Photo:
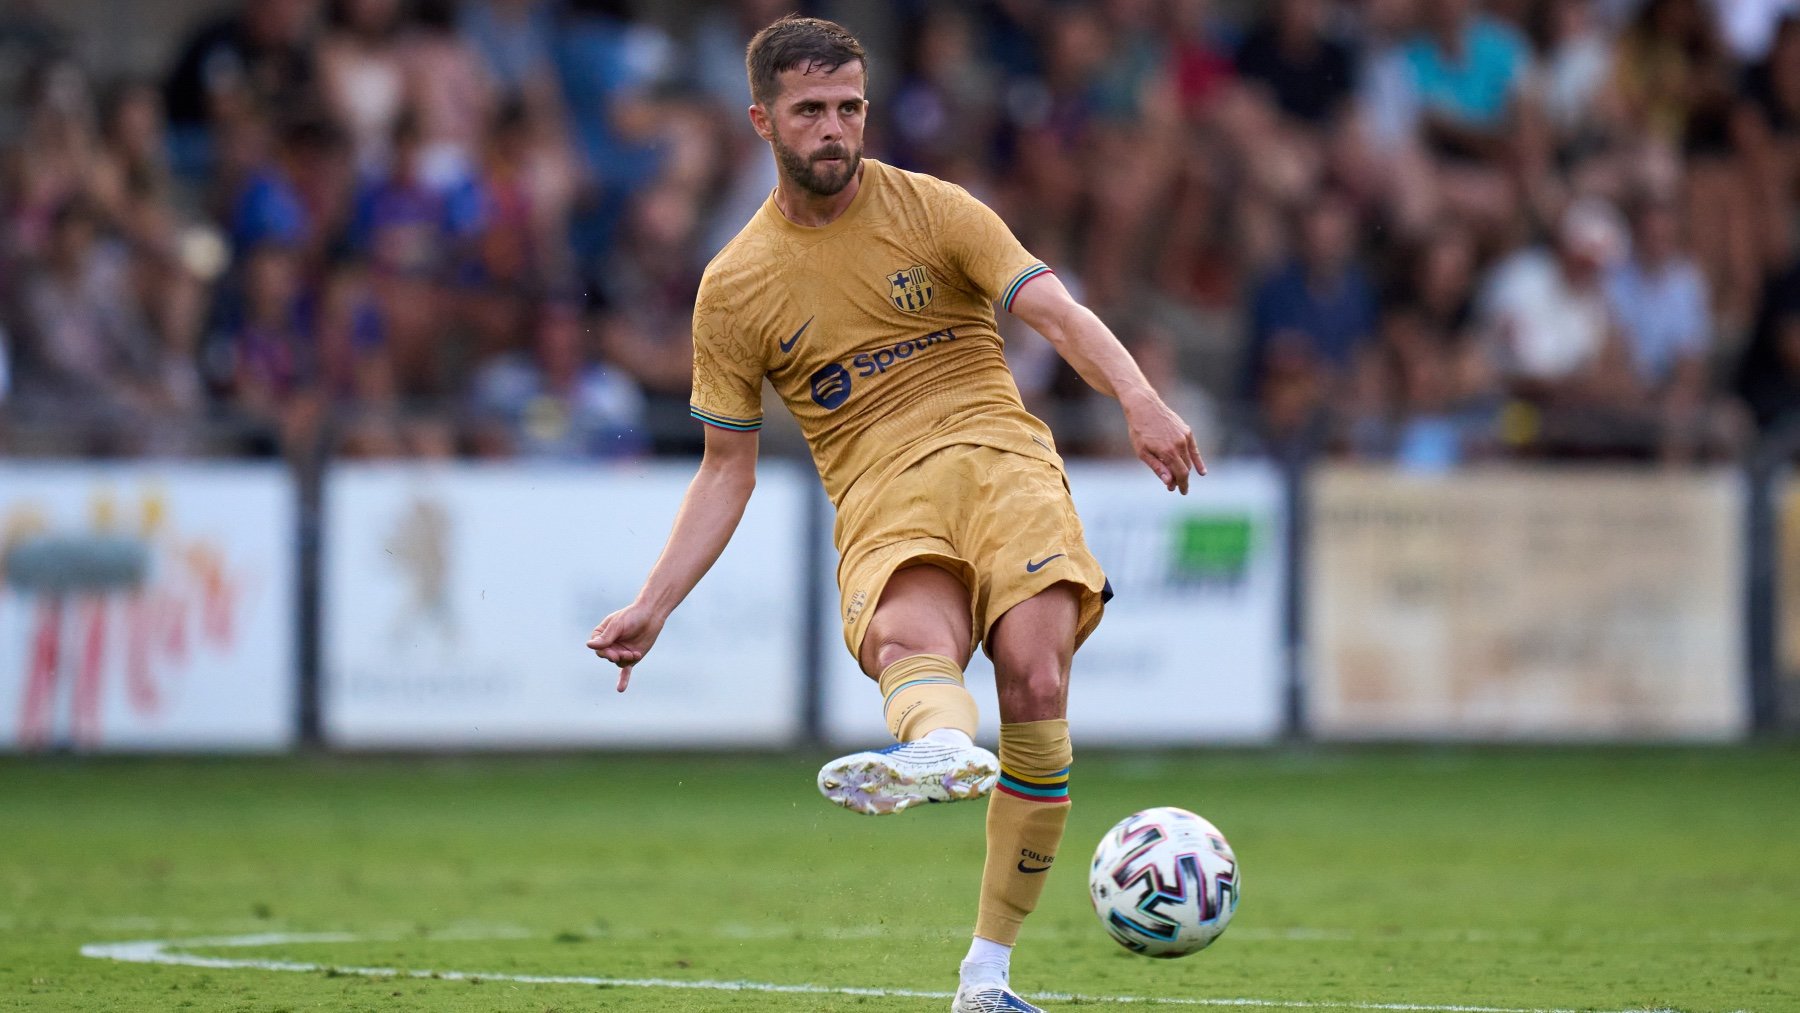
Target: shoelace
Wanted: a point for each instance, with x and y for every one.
(923, 750)
(994, 1000)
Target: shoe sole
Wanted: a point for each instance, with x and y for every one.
(874, 787)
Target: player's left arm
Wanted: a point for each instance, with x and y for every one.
(1159, 436)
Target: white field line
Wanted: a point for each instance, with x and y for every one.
(168, 951)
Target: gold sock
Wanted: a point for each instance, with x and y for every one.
(1025, 819)
(923, 693)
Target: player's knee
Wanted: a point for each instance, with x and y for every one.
(1037, 691)
(882, 649)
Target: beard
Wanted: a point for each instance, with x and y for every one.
(814, 177)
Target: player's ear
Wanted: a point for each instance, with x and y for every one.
(759, 120)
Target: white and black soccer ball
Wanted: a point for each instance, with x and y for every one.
(1164, 882)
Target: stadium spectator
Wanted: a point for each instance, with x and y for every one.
(302, 197)
(1546, 317)
(556, 403)
(273, 361)
(1469, 70)
(130, 181)
(1659, 297)
(1769, 376)
(611, 71)
(1200, 56)
(648, 298)
(1310, 321)
(362, 75)
(946, 94)
(1574, 72)
(521, 251)
(55, 156)
(1307, 74)
(1750, 26)
(717, 50)
(89, 356)
(1773, 85)
(1438, 382)
(1772, 125)
(259, 58)
(450, 91)
(1132, 155)
(401, 222)
(5, 376)
(517, 39)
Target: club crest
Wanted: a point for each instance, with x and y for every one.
(910, 289)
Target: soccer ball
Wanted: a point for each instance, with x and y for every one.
(1164, 882)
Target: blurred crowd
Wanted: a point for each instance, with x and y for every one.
(1423, 231)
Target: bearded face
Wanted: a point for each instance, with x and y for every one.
(814, 125)
(822, 172)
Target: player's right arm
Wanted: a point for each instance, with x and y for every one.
(709, 513)
(727, 398)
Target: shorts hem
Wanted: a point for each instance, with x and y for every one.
(1093, 609)
(963, 570)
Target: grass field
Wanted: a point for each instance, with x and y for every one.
(1529, 880)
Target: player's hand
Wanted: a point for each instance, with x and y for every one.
(624, 637)
(1163, 441)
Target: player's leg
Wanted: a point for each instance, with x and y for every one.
(1032, 646)
(915, 645)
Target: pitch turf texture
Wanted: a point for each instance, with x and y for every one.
(1525, 880)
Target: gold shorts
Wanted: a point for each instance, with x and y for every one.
(1002, 522)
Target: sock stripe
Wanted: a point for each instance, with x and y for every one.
(1055, 788)
(1042, 780)
(926, 681)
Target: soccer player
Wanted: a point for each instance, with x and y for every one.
(865, 295)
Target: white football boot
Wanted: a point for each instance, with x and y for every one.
(991, 997)
(882, 781)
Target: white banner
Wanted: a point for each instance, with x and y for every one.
(146, 607)
(1190, 649)
(1516, 604)
(457, 599)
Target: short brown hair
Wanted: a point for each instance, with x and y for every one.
(795, 41)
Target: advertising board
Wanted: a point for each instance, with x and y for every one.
(457, 598)
(146, 607)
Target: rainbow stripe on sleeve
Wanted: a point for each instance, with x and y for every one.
(1019, 280)
(725, 421)
(1048, 788)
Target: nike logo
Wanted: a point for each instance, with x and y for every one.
(1029, 871)
(1031, 567)
(788, 345)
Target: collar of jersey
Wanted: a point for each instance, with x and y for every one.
(871, 169)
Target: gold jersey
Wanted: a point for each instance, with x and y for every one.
(876, 330)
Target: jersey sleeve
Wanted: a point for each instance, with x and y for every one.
(728, 368)
(975, 241)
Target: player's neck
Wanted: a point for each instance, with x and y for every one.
(811, 210)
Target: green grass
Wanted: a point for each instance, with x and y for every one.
(1604, 879)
